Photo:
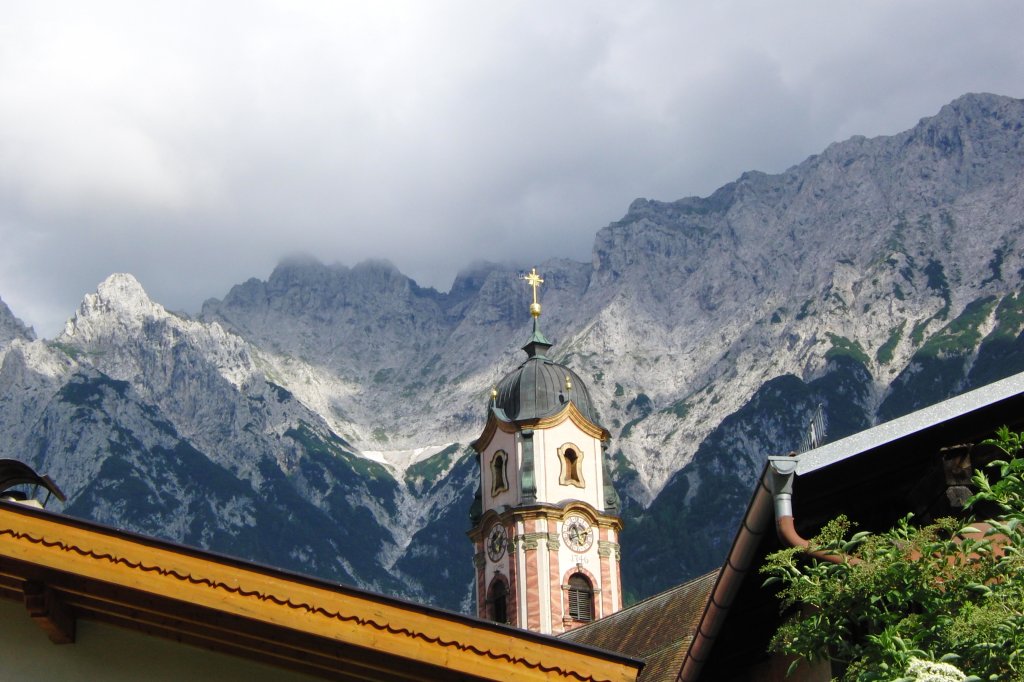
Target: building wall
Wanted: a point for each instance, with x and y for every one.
(513, 449)
(105, 652)
(549, 468)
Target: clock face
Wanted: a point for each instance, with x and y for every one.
(577, 533)
(497, 540)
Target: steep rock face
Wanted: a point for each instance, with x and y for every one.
(879, 276)
(11, 327)
(192, 372)
(704, 502)
(866, 252)
(30, 375)
(364, 344)
(169, 426)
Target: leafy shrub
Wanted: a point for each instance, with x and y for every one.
(944, 592)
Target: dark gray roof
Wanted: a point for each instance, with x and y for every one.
(537, 389)
(540, 387)
(902, 427)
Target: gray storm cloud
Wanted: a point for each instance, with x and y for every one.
(196, 144)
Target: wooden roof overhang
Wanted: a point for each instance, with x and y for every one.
(65, 569)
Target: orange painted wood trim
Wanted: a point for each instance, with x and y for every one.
(279, 601)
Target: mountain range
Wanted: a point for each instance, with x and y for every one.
(319, 420)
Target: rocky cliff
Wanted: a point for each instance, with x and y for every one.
(312, 420)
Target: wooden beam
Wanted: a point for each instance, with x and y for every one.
(49, 612)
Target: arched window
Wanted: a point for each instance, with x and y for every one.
(497, 601)
(499, 477)
(572, 462)
(581, 598)
(571, 458)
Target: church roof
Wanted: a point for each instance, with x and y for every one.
(541, 387)
(657, 630)
(538, 389)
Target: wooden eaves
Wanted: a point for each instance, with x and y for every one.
(65, 569)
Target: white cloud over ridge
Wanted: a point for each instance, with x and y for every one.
(195, 144)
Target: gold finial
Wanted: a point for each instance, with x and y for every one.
(494, 394)
(568, 383)
(534, 280)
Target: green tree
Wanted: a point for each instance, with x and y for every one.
(915, 603)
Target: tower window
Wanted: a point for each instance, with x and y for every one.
(499, 475)
(571, 458)
(581, 598)
(497, 601)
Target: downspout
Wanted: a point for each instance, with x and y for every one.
(782, 472)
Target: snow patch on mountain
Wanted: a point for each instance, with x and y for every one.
(399, 461)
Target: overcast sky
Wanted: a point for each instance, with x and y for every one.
(195, 144)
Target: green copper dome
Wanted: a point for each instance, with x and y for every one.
(541, 387)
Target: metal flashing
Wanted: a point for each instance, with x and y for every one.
(898, 428)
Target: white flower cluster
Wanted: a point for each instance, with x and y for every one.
(932, 671)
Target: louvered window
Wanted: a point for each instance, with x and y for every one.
(581, 598)
(499, 602)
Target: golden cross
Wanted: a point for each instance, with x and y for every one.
(534, 280)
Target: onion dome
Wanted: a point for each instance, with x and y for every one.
(540, 387)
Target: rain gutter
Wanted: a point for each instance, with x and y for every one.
(773, 497)
(737, 565)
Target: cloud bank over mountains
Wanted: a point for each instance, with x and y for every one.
(197, 145)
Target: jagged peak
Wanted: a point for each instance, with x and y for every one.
(982, 116)
(23, 357)
(304, 262)
(122, 286)
(377, 265)
(305, 269)
(300, 260)
(120, 296)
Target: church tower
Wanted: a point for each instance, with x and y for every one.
(545, 519)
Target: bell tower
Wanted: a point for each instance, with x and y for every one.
(545, 519)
